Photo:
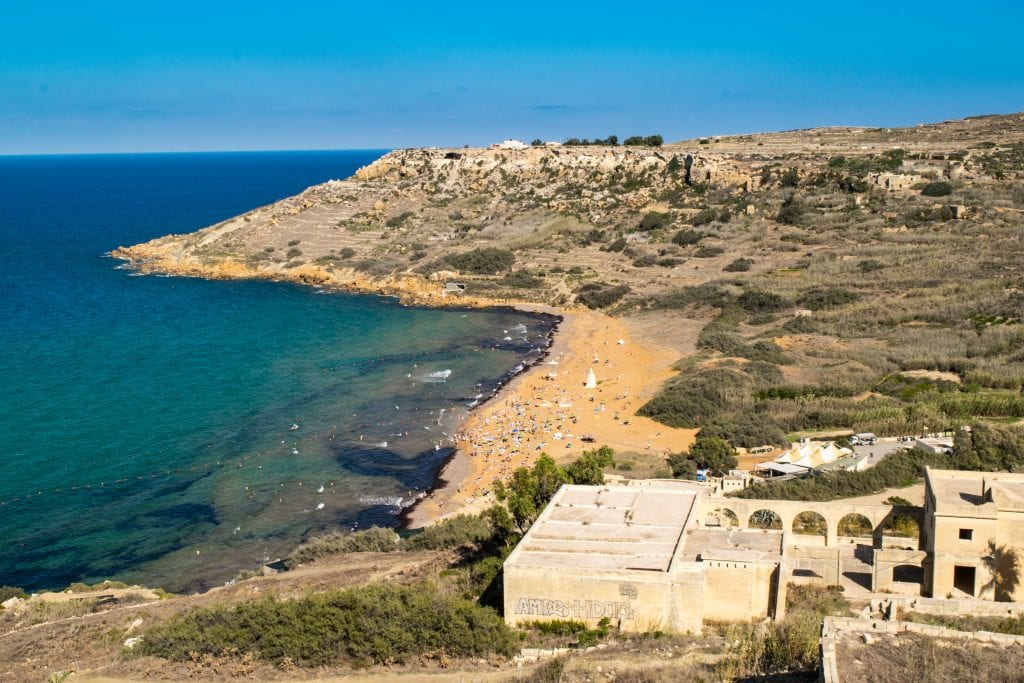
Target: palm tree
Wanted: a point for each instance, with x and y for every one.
(1003, 565)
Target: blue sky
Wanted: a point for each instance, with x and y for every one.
(148, 76)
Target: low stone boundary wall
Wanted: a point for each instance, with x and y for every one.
(834, 626)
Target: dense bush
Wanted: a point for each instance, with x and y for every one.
(707, 452)
(890, 161)
(8, 592)
(644, 141)
(939, 188)
(759, 301)
(482, 261)
(792, 211)
(746, 430)
(654, 220)
(686, 237)
(372, 540)
(400, 219)
(740, 265)
(451, 532)
(989, 448)
(827, 297)
(522, 279)
(708, 252)
(706, 294)
(375, 624)
(699, 397)
(704, 217)
(616, 245)
(600, 295)
(589, 467)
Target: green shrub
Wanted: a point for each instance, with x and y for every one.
(707, 452)
(697, 398)
(708, 252)
(704, 217)
(294, 252)
(939, 188)
(869, 266)
(827, 297)
(599, 295)
(346, 252)
(522, 279)
(706, 294)
(482, 261)
(8, 592)
(589, 467)
(759, 301)
(617, 245)
(792, 211)
(740, 265)
(372, 540)
(451, 532)
(686, 237)
(654, 220)
(400, 219)
(375, 624)
(746, 430)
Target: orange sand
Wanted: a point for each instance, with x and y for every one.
(547, 409)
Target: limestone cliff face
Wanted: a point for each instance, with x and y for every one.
(494, 168)
(575, 216)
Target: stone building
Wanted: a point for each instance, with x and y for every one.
(661, 554)
(635, 553)
(970, 517)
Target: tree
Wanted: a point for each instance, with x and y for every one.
(537, 142)
(792, 211)
(711, 452)
(530, 490)
(682, 466)
(589, 468)
(653, 141)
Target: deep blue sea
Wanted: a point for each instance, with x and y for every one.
(145, 421)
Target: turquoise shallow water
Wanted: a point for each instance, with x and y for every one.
(145, 421)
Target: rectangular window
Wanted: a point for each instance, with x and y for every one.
(966, 534)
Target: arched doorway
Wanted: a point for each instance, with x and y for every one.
(765, 519)
(855, 525)
(722, 517)
(810, 523)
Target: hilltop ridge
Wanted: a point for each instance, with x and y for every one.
(826, 260)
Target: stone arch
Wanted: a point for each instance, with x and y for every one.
(721, 517)
(765, 519)
(901, 524)
(855, 525)
(810, 523)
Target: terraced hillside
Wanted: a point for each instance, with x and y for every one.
(849, 277)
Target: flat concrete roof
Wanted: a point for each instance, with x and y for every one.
(732, 545)
(633, 526)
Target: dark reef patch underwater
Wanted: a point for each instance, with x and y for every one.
(145, 427)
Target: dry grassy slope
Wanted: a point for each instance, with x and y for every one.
(925, 282)
(90, 644)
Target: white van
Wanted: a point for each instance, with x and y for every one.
(864, 439)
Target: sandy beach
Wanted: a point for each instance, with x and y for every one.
(549, 409)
